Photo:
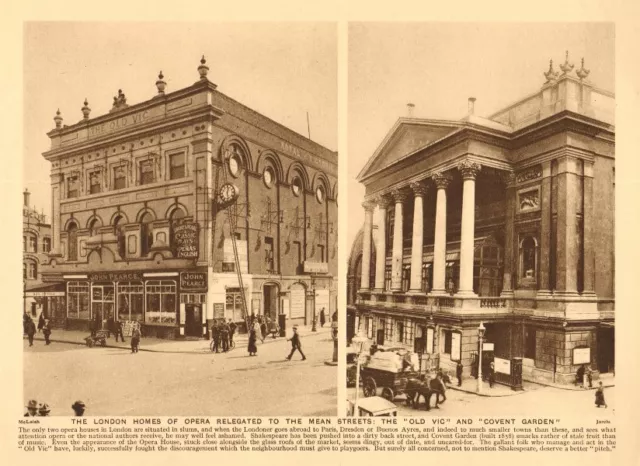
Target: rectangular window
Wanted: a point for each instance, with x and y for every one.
(119, 178)
(177, 166)
(94, 183)
(130, 301)
(33, 271)
(400, 331)
(161, 302)
(146, 172)
(72, 187)
(33, 244)
(406, 277)
(268, 254)
(447, 341)
(24, 271)
(426, 278)
(387, 278)
(46, 245)
(321, 252)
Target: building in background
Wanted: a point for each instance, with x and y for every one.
(500, 221)
(141, 226)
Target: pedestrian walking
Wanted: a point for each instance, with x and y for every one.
(43, 410)
(295, 344)
(78, 408)
(600, 396)
(215, 336)
(31, 330)
(263, 330)
(252, 348)
(46, 331)
(224, 336)
(459, 369)
(32, 409)
(334, 316)
(40, 322)
(232, 330)
(440, 388)
(136, 334)
(25, 321)
(492, 374)
(119, 330)
(323, 318)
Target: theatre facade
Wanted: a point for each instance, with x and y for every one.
(499, 221)
(140, 231)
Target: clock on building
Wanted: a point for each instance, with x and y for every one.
(228, 193)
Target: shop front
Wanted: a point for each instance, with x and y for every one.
(47, 300)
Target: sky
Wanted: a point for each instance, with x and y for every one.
(282, 70)
(438, 66)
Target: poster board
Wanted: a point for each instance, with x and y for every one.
(127, 327)
(581, 355)
(218, 310)
(185, 237)
(429, 346)
(456, 345)
(502, 366)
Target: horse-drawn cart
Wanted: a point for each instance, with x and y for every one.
(386, 383)
(99, 337)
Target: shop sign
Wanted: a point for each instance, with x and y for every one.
(218, 310)
(42, 294)
(581, 356)
(502, 366)
(316, 267)
(487, 346)
(115, 277)
(186, 240)
(193, 281)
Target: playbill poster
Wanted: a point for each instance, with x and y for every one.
(343, 233)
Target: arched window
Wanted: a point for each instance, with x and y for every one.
(146, 233)
(528, 261)
(93, 226)
(33, 270)
(72, 238)
(118, 231)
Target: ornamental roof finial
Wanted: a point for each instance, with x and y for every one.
(58, 119)
(203, 69)
(566, 67)
(85, 109)
(550, 75)
(160, 83)
(582, 72)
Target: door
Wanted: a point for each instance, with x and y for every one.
(270, 300)
(606, 348)
(380, 336)
(102, 303)
(193, 320)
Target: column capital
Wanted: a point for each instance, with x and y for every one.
(441, 180)
(419, 188)
(369, 205)
(382, 201)
(399, 195)
(469, 169)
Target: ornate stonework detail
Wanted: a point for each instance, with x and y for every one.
(383, 201)
(583, 72)
(85, 109)
(551, 75)
(203, 69)
(566, 67)
(419, 188)
(399, 195)
(58, 119)
(441, 180)
(529, 200)
(369, 206)
(529, 174)
(160, 83)
(508, 178)
(469, 169)
(119, 102)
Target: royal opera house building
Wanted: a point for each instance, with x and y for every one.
(503, 222)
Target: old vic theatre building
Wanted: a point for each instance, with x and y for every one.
(499, 220)
(148, 198)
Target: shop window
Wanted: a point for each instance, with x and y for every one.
(387, 278)
(102, 302)
(161, 302)
(400, 332)
(529, 342)
(78, 300)
(268, 254)
(233, 304)
(177, 167)
(33, 244)
(119, 178)
(427, 278)
(146, 233)
(146, 172)
(406, 277)
(95, 186)
(46, 245)
(409, 333)
(73, 187)
(446, 336)
(369, 327)
(130, 301)
(387, 325)
(72, 235)
(528, 260)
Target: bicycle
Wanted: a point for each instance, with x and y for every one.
(232, 345)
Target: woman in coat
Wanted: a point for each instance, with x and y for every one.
(600, 396)
(252, 348)
(323, 318)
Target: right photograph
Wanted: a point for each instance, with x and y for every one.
(481, 202)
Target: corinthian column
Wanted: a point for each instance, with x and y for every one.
(381, 248)
(396, 257)
(419, 192)
(469, 170)
(366, 245)
(440, 240)
(509, 180)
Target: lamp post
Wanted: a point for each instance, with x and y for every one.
(313, 293)
(481, 331)
(358, 344)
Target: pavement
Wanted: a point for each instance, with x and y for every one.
(183, 378)
(159, 345)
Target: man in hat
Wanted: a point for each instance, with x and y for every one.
(78, 408)
(46, 331)
(224, 336)
(32, 409)
(295, 344)
(31, 330)
(232, 330)
(459, 369)
(215, 335)
(43, 409)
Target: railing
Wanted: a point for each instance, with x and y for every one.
(421, 300)
(493, 303)
(445, 302)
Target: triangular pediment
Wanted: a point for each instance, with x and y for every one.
(406, 137)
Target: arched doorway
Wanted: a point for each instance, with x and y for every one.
(270, 294)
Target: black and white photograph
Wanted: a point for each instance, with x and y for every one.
(481, 179)
(180, 219)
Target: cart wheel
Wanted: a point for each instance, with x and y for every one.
(103, 342)
(369, 387)
(388, 394)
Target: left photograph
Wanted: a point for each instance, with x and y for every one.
(180, 236)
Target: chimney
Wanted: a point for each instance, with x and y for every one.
(26, 195)
(472, 102)
(410, 108)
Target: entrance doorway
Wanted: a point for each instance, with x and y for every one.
(193, 320)
(606, 350)
(102, 303)
(270, 293)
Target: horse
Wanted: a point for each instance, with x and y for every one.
(417, 388)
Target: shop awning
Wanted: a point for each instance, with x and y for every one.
(44, 289)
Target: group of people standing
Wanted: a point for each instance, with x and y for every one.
(29, 328)
(222, 334)
(42, 409)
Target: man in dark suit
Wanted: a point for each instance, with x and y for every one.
(224, 336)
(31, 330)
(459, 369)
(295, 344)
(232, 330)
(32, 409)
(215, 335)
(46, 331)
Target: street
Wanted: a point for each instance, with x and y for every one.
(538, 401)
(115, 382)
